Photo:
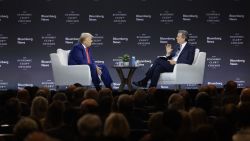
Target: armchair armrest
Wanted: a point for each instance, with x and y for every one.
(188, 73)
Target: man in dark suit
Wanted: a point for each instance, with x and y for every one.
(183, 53)
(81, 54)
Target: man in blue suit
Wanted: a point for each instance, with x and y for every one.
(183, 53)
(81, 54)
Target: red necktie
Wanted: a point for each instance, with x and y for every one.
(87, 53)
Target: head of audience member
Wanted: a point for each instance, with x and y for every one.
(203, 89)
(157, 129)
(231, 113)
(224, 129)
(70, 92)
(86, 39)
(60, 96)
(230, 88)
(91, 93)
(187, 98)
(44, 92)
(116, 126)
(39, 136)
(39, 107)
(89, 126)
(105, 92)
(212, 90)
(125, 103)
(155, 122)
(105, 101)
(71, 88)
(32, 91)
(152, 90)
(205, 132)
(172, 119)
(54, 117)
(23, 96)
(242, 135)
(245, 95)
(89, 106)
(203, 100)
(139, 98)
(78, 95)
(24, 127)
(159, 98)
(244, 115)
(176, 102)
(230, 93)
(197, 116)
(78, 85)
(12, 111)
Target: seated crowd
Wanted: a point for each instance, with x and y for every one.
(79, 113)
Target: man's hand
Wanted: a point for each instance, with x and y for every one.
(172, 62)
(99, 70)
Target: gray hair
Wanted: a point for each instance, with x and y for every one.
(184, 34)
(89, 125)
(84, 36)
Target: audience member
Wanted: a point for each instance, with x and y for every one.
(89, 127)
(176, 102)
(242, 135)
(91, 93)
(78, 96)
(89, 106)
(24, 98)
(244, 96)
(105, 102)
(39, 136)
(202, 100)
(54, 117)
(230, 94)
(60, 97)
(39, 108)
(24, 127)
(125, 105)
(198, 117)
(116, 127)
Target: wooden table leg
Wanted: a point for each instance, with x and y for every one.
(122, 78)
(130, 74)
(125, 80)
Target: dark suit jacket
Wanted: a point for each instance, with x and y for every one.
(186, 56)
(77, 55)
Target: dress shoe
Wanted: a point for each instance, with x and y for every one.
(140, 84)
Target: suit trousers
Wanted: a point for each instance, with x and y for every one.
(105, 76)
(159, 66)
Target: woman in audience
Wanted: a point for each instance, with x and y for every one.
(24, 127)
(39, 108)
(116, 127)
(89, 127)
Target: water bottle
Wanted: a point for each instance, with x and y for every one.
(133, 61)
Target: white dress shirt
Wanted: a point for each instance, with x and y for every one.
(175, 58)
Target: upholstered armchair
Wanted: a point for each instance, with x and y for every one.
(184, 73)
(65, 74)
